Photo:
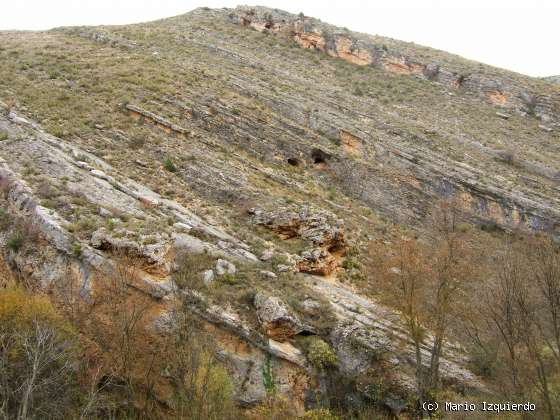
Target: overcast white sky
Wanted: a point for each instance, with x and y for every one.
(520, 35)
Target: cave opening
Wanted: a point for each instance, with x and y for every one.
(319, 157)
(294, 162)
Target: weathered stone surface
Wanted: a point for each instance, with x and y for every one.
(223, 267)
(267, 255)
(208, 277)
(156, 255)
(320, 228)
(268, 274)
(366, 331)
(275, 131)
(157, 120)
(276, 319)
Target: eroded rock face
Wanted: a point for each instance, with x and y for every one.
(275, 317)
(358, 49)
(157, 255)
(363, 329)
(320, 228)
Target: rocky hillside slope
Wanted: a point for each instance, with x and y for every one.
(553, 79)
(278, 152)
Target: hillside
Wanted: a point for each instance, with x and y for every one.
(553, 79)
(259, 156)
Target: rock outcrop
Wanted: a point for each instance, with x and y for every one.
(362, 50)
(553, 79)
(275, 318)
(319, 228)
(89, 253)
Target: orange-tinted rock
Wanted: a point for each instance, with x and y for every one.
(346, 50)
(351, 144)
(276, 319)
(318, 227)
(497, 98)
(310, 40)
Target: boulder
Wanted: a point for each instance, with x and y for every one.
(268, 274)
(208, 277)
(224, 266)
(276, 318)
(267, 255)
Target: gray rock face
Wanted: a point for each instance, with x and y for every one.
(268, 274)
(553, 79)
(155, 254)
(266, 255)
(275, 317)
(390, 169)
(367, 331)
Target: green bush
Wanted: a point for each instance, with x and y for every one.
(320, 414)
(169, 165)
(269, 379)
(320, 353)
(15, 242)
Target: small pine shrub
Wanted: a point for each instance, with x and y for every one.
(15, 242)
(169, 165)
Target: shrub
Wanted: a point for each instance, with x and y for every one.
(358, 91)
(320, 414)
(320, 353)
(169, 165)
(508, 156)
(269, 380)
(77, 249)
(137, 141)
(191, 266)
(15, 242)
(229, 278)
(483, 363)
(38, 358)
(5, 220)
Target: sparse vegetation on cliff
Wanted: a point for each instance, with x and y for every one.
(227, 225)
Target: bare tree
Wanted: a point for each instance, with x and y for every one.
(408, 279)
(37, 372)
(427, 281)
(451, 269)
(523, 307)
(201, 386)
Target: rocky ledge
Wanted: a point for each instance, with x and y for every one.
(361, 50)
